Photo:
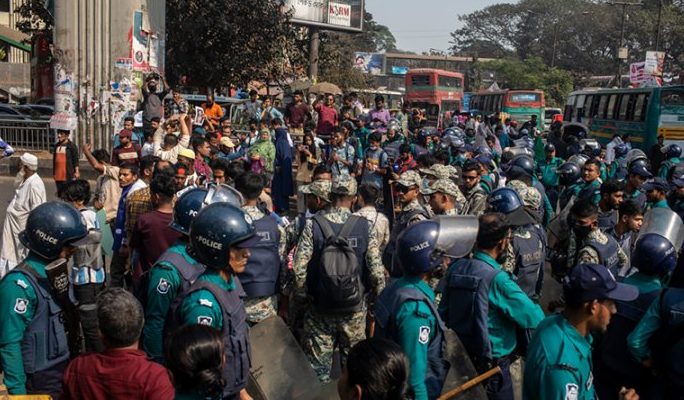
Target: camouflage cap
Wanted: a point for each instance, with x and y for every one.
(440, 171)
(344, 184)
(409, 178)
(319, 188)
(530, 196)
(446, 186)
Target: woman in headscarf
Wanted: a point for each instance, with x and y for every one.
(262, 154)
(282, 187)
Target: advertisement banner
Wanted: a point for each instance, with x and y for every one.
(655, 60)
(369, 63)
(346, 15)
(636, 73)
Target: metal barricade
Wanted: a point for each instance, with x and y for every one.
(27, 134)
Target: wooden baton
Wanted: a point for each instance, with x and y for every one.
(469, 384)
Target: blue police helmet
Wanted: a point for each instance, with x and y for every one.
(522, 165)
(188, 204)
(568, 173)
(673, 150)
(51, 226)
(215, 229)
(504, 200)
(654, 255)
(621, 150)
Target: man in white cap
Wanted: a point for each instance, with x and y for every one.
(29, 194)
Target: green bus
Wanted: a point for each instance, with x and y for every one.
(518, 105)
(642, 113)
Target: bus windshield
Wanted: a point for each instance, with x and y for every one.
(672, 98)
(449, 81)
(420, 80)
(528, 97)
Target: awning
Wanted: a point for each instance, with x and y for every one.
(14, 38)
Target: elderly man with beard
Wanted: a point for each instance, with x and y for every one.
(29, 194)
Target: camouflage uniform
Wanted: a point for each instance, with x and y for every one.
(379, 223)
(319, 188)
(588, 255)
(530, 196)
(448, 187)
(323, 331)
(260, 308)
(476, 202)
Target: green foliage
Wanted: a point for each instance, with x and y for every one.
(531, 74)
(216, 43)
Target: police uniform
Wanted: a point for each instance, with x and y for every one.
(448, 187)
(476, 202)
(33, 340)
(324, 329)
(598, 248)
(171, 275)
(406, 314)
(267, 257)
(558, 363)
(638, 197)
(525, 256)
(548, 175)
(658, 204)
(567, 194)
(667, 166)
(590, 190)
(486, 321)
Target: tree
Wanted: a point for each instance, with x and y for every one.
(216, 43)
(35, 18)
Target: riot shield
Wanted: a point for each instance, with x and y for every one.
(593, 143)
(223, 193)
(280, 369)
(462, 369)
(456, 235)
(579, 160)
(666, 223)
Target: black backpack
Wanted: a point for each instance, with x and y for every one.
(339, 283)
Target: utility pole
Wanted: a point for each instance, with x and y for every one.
(660, 12)
(314, 41)
(621, 52)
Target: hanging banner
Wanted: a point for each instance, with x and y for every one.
(345, 15)
(655, 61)
(636, 73)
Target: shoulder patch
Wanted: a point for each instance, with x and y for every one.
(163, 286)
(205, 302)
(21, 283)
(571, 391)
(203, 320)
(20, 306)
(424, 334)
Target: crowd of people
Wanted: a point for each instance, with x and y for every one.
(400, 232)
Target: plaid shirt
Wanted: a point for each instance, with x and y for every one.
(137, 204)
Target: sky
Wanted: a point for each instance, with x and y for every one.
(419, 25)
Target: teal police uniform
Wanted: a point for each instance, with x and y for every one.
(668, 166)
(590, 190)
(18, 303)
(165, 284)
(201, 306)
(558, 364)
(546, 171)
(658, 204)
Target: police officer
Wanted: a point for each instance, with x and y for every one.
(559, 361)
(220, 238)
(547, 173)
(334, 318)
(591, 189)
(612, 194)
(476, 198)
(526, 252)
(654, 258)
(618, 168)
(445, 197)
(266, 270)
(676, 200)
(656, 193)
(672, 154)
(412, 211)
(568, 177)
(520, 177)
(485, 307)
(33, 337)
(317, 198)
(406, 313)
(638, 174)
(588, 245)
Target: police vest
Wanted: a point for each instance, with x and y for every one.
(608, 253)
(530, 257)
(387, 307)
(188, 273)
(668, 343)
(614, 342)
(45, 345)
(621, 171)
(357, 239)
(467, 307)
(263, 266)
(235, 332)
(400, 224)
(588, 191)
(607, 221)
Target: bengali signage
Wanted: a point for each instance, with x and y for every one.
(334, 15)
(655, 60)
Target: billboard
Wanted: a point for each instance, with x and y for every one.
(369, 63)
(655, 60)
(344, 15)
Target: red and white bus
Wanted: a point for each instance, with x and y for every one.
(436, 91)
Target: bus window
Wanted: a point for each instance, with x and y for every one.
(420, 80)
(576, 116)
(601, 111)
(487, 103)
(449, 81)
(587, 106)
(625, 101)
(569, 105)
(610, 112)
(499, 101)
(525, 97)
(639, 107)
(672, 98)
